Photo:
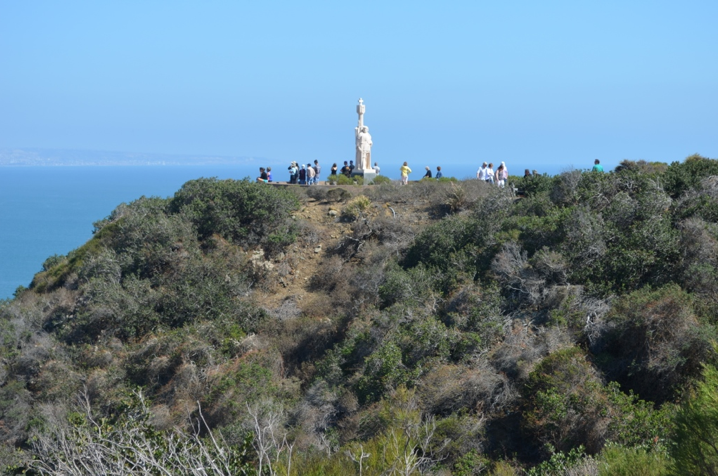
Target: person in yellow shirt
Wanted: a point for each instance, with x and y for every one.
(405, 171)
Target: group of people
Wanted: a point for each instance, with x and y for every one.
(309, 174)
(304, 175)
(405, 171)
(428, 173)
(265, 175)
(499, 177)
(348, 168)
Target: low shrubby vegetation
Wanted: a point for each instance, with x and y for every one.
(445, 327)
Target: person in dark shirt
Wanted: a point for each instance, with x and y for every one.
(262, 175)
(317, 171)
(428, 172)
(334, 169)
(351, 166)
(346, 170)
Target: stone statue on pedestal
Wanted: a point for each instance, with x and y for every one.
(363, 142)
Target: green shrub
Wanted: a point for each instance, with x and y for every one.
(560, 463)
(384, 371)
(53, 261)
(534, 184)
(353, 180)
(616, 460)
(695, 441)
(682, 176)
(381, 179)
(355, 207)
(238, 210)
(564, 402)
(412, 287)
(656, 342)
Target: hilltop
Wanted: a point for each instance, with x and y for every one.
(442, 328)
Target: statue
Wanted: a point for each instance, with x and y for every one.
(363, 141)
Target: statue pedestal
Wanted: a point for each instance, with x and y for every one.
(368, 175)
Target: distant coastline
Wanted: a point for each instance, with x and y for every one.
(74, 158)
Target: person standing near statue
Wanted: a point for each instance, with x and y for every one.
(317, 170)
(405, 171)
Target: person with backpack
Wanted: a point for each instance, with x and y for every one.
(317, 170)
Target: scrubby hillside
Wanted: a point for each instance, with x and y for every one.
(437, 328)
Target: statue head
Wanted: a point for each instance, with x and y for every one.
(365, 129)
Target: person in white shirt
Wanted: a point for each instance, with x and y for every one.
(376, 167)
(481, 173)
(490, 173)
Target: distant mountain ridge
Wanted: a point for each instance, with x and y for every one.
(64, 157)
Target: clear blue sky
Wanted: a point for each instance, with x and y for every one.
(538, 84)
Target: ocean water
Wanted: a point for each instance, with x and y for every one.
(50, 210)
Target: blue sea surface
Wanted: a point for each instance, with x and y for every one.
(50, 210)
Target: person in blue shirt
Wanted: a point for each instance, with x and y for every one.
(438, 172)
(597, 167)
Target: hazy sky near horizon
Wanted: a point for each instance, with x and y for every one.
(556, 83)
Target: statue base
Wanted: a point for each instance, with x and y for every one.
(367, 175)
